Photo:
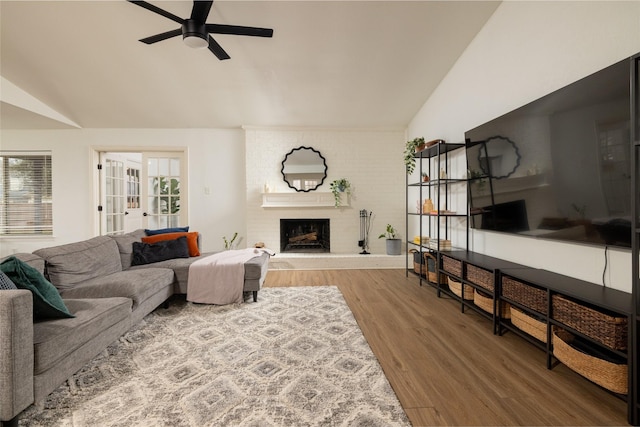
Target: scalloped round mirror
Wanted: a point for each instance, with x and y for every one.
(304, 169)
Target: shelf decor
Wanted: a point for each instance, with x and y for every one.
(410, 149)
(338, 186)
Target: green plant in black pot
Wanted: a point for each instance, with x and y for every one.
(411, 147)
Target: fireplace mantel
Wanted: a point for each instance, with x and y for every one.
(312, 199)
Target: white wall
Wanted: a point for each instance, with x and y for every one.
(526, 50)
(215, 160)
(370, 160)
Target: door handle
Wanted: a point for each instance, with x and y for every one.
(145, 214)
(126, 212)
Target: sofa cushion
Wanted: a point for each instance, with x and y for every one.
(33, 260)
(138, 285)
(166, 230)
(125, 245)
(192, 240)
(46, 299)
(57, 339)
(74, 263)
(147, 253)
(5, 282)
(180, 267)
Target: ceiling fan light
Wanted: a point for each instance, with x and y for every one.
(195, 41)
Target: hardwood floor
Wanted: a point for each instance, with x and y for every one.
(447, 367)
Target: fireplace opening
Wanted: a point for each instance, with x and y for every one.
(304, 235)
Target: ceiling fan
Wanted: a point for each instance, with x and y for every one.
(196, 32)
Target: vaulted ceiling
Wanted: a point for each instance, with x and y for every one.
(355, 64)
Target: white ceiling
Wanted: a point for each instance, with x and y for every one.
(355, 64)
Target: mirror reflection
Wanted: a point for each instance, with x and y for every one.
(498, 157)
(304, 169)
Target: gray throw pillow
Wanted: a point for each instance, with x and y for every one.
(5, 282)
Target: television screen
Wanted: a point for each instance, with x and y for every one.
(559, 167)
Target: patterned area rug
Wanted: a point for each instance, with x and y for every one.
(295, 358)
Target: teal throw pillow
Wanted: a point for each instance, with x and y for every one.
(47, 302)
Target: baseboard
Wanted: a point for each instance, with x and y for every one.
(321, 261)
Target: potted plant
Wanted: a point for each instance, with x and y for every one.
(394, 244)
(338, 186)
(410, 149)
(228, 244)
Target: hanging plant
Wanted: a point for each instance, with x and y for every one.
(338, 186)
(410, 149)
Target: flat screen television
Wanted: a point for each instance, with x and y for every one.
(559, 167)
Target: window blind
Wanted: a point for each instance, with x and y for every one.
(25, 193)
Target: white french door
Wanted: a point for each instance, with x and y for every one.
(141, 190)
(164, 197)
(133, 214)
(113, 193)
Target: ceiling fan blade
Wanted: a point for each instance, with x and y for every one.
(201, 10)
(157, 10)
(239, 30)
(217, 49)
(162, 36)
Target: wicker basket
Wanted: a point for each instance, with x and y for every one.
(529, 296)
(419, 269)
(419, 266)
(432, 274)
(609, 375)
(603, 327)
(452, 266)
(485, 302)
(456, 287)
(480, 277)
(532, 326)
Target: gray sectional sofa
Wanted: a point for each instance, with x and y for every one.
(105, 294)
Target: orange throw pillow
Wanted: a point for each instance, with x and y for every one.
(192, 240)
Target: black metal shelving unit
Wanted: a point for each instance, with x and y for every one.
(432, 160)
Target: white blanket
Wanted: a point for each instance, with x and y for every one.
(219, 278)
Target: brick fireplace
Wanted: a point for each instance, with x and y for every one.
(305, 235)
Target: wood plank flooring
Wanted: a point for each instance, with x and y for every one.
(447, 367)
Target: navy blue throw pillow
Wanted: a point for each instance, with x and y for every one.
(166, 230)
(147, 253)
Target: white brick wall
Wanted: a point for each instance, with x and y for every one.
(370, 160)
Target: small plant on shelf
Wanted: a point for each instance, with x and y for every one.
(338, 186)
(410, 149)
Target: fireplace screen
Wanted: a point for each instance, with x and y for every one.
(304, 235)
